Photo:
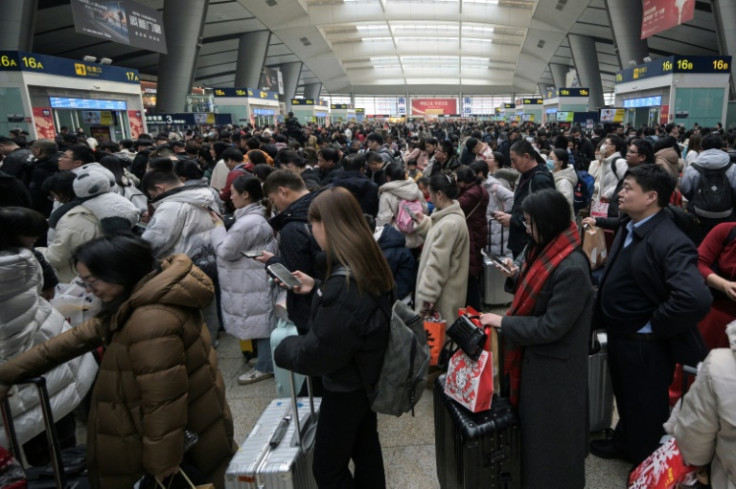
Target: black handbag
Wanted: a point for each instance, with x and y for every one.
(469, 337)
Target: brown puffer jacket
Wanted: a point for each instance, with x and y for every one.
(158, 376)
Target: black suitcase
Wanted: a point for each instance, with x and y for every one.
(56, 476)
(476, 450)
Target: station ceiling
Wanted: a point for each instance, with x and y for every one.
(393, 47)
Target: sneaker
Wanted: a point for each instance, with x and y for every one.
(252, 376)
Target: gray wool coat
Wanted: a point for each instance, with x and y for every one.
(553, 399)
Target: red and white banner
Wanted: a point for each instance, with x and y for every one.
(434, 106)
(43, 119)
(136, 123)
(660, 15)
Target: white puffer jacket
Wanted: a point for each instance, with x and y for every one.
(26, 320)
(246, 298)
(565, 181)
(614, 169)
(500, 199)
(389, 196)
(75, 228)
(705, 426)
(181, 222)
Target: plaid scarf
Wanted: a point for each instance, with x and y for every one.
(537, 268)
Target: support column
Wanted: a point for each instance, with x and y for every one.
(252, 51)
(542, 89)
(559, 72)
(585, 57)
(17, 24)
(290, 73)
(183, 40)
(724, 13)
(312, 90)
(625, 17)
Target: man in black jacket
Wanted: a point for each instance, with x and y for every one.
(328, 160)
(17, 160)
(353, 178)
(298, 249)
(650, 299)
(46, 164)
(534, 177)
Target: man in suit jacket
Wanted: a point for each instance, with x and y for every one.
(650, 300)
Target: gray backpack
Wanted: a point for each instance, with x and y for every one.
(403, 375)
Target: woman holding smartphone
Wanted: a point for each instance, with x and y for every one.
(550, 319)
(247, 297)
(346, 341)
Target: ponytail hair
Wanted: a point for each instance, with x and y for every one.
(252, 185)
(441, 182)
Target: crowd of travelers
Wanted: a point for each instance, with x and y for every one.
(166, 239)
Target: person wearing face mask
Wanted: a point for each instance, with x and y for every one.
(614, 166)
(564, 175)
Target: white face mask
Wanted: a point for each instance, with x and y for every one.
(604, 149)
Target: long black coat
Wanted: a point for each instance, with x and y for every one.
(553, 400)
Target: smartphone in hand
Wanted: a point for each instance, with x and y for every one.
(410, 212)
(280, 272)
(252, 253)
(498, 262)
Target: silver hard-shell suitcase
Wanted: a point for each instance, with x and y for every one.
(494, 282)
(279, 451)
(600, 389)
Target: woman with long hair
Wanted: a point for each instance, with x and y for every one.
(550, 319)
(158, 377)
(346, 341)
(246, 296)
(473, 199)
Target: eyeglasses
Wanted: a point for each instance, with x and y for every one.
(86, 284)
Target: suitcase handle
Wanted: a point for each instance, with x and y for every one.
(48, 420)
(295, 407)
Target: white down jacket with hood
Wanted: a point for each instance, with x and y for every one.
(500, 199)
(705, 426)
(246, 295)
(389, 196)
(565, 181)
(181, 222)
(26, 320)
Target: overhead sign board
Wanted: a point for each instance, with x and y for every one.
(51, 65)
(676, 64)
(245, 93)
(122, 21)
(612, 115)
(573, 92)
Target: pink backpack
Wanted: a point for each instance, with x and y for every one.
(404, 221)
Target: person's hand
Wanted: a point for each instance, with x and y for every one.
(420, 217)
(4, 389)
(145, 217)
(589, 221)
(492, 320)
(502, 217)
(427, 309)
(306, 286)
(216, 218)
(167, 473)
(265, 256)
(49, 293)
(729, 288)
(511, 269)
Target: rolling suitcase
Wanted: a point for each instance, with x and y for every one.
(600, 389)
(283, 329)
(42, 477)
(279, 451)
(476, 450)
(494, 293)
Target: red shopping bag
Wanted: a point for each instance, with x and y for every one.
(11, 471)
(435, 328)
(469, 382)
(663, 469)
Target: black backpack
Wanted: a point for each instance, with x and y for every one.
(713, 196)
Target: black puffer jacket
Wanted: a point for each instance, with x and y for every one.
(399, 258)
(42, 169)
(347, 338)
(365, 191)
(298, 250)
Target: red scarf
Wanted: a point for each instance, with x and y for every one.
(531, 280)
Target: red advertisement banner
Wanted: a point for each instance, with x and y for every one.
(43, 119)
(136, 123)
(434, 106)
(660, 15)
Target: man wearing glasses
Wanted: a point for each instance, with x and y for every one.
(445, 160)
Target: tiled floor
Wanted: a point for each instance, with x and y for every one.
(408, 443)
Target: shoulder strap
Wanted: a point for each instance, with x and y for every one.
(731, 237)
